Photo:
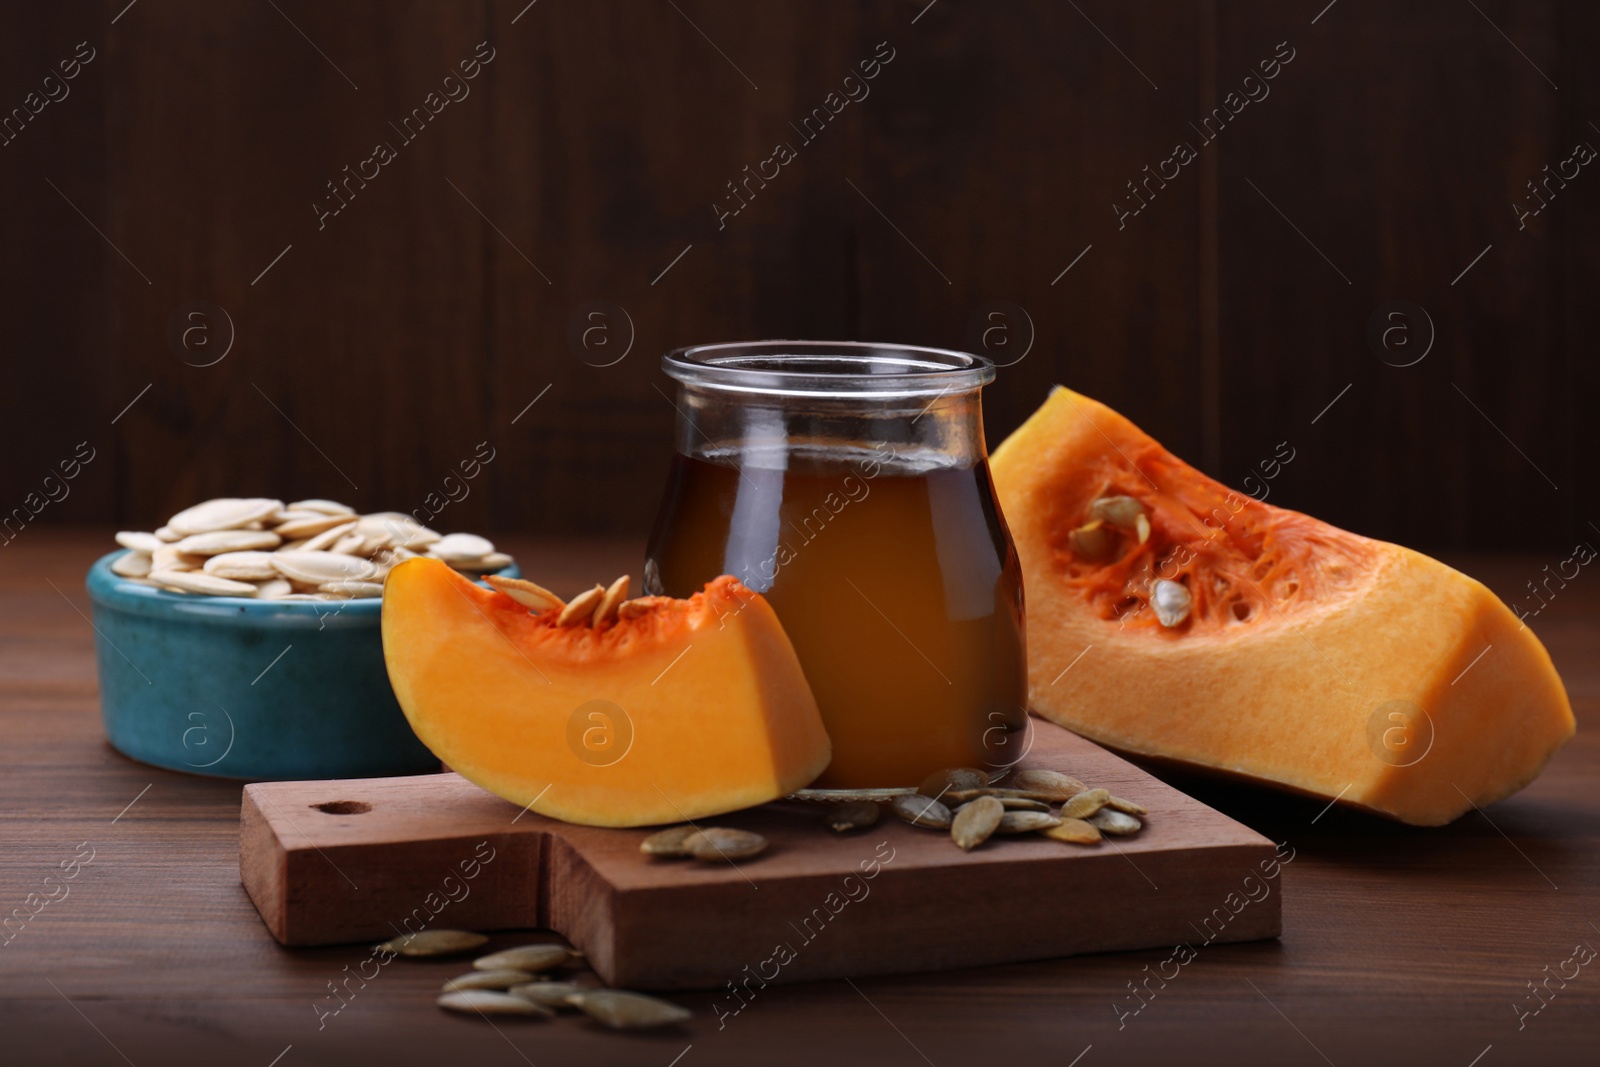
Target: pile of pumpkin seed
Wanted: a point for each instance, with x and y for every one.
(518, 981)
(963, 801)
(308, 550)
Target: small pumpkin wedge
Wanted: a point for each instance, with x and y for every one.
(656, 710)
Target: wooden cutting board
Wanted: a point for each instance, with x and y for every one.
(365, 859)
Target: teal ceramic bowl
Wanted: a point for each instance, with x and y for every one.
(240, 688)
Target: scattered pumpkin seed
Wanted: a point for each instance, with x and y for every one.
(670, 842)
(488, 1002)
(1127, 806)
(1085, 804)
(1039, 780)
(720, 843)
(550, 994)
(529, 958)
(922, 811)
(843, 796)
(627, 1011)
(1076, 831)
(434, 943)
(962, 796)
(1115, 822)
(1023, 822)
(952, 779)
(856, 815)
(1022, 804)
(498, 979)
(974, 823)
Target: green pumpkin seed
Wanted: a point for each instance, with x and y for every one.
(1085, 804)
(672, 842)
(974, 823)
(720, 843)
(844, 796)
(951, 780)
(1076, 831)
(1023, 822)
(962, 796)
(1115, 822)
(857, 815)
(922, 811)
(1060, 785)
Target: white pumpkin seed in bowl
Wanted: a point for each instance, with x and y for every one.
(265, 549)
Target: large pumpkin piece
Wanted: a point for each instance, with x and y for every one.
(1223, 632)
(679, 709)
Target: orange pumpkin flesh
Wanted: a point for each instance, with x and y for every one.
(686, 709)
(1307, 649)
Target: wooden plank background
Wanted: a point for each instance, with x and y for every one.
(381, 349)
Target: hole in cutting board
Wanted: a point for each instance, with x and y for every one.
(343, 807)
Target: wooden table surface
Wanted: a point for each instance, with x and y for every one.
(1399, 945)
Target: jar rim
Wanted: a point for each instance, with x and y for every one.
(831, 369)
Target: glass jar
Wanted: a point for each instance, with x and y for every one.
(849, 484)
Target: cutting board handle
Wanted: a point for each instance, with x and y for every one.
(370, 859)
